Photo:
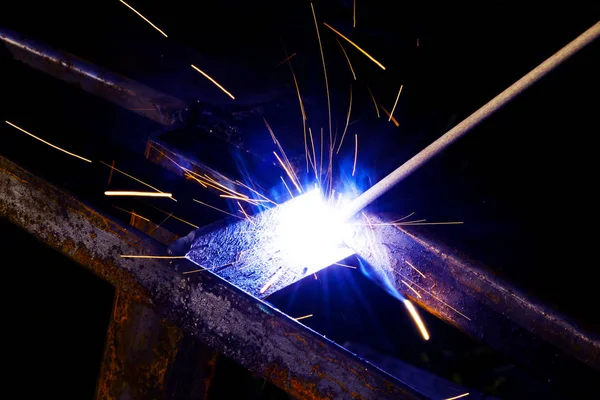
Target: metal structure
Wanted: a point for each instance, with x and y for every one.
(209, 316)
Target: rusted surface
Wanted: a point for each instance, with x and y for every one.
(140, 348)
(147, 357)
(486, 308)
(203, 305)
(122, 91)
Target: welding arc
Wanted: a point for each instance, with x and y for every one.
(470, 122)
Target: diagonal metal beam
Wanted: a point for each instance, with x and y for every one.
(131, 95)
(488, 309)
(261, 338)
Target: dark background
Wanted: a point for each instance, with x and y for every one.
(524, 182)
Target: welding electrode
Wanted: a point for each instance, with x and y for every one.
(470, 122)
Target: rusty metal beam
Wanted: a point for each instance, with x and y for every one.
(115, 88)
(488, 309)
(282, 350)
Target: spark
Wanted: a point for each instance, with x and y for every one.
(195, 270)
(303, 317)
(288, 172)
(433, 295)
(415, 268)
(244, 212)
(355, 45)
(312, 143)
(418, 223)
(301, 110)
(48, 143)
(228, 196)
(158, 226)
(403, 218)
(290, 169)
(355, 153)
(315, 275)
(213, 81)
(286, 186)
(144, 18)
(374, 101)
(321, 165)
(112, 167)
(347, 58)
(287, 59)
(396, 102)
(390, 115)
(159, 257)
(223, 186)
(271, 281)
(415, 316)
(176, 217)
(354, 15)
(324, 70)
(347, 122)
(458, 397)
(254, 191)
(218, 209)
(133, 193)
(345, 265)
(220, 187)
(411, 288)
(132, 213)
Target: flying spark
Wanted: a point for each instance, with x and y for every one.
(287, 59)
(213, 81)
(303, 317)
(458, 397)
(48, 143)
(347, 122)
(355, 153)
(113, 168)
(218, 209)
(355, 45)
(144, 18)
(415, 316)
(132, 213)
(325, 71)
(271, 281)
(133, 193)
(347, 58)
(374, 101)
(413, 267)
(411, 288)
(390, 115)
(395, 103)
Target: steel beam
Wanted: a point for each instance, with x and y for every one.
(115, 88)
(488, 309)
(262, 339)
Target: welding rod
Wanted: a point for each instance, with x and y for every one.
(470, 122)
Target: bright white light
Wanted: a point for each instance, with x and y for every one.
(309, 233)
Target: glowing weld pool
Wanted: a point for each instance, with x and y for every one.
(277, 247)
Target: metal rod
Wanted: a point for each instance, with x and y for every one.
(470, 122)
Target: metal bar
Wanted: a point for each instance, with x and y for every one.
(484, 307)
(291, 356)
(471, 121)
(118, 89)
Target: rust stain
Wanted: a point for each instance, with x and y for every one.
(136, 363)
(294, 386)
